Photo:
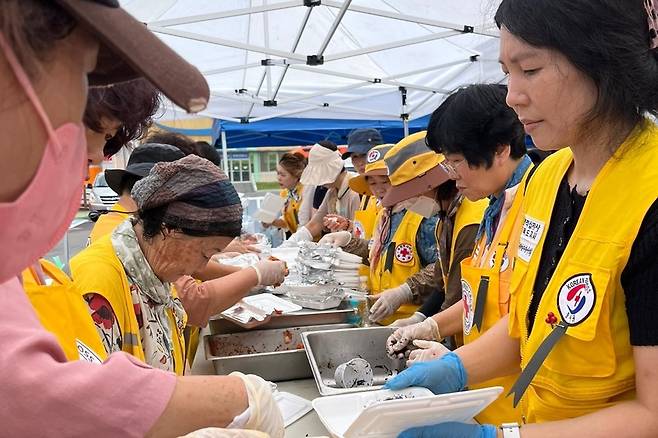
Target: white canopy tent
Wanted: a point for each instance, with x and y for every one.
(346, 59)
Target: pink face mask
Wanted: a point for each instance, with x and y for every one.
(33, 224)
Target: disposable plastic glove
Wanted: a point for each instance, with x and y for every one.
(427, 330)
(264, 413)
(428, 350)
(301, 235)
(451, 430)
(338, 239)
(270, 272)
(413, 319)
(389, 301)
(440, 376)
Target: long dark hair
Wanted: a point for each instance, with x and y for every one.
(607, 40)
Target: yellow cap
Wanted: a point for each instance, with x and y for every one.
(375, 165)
(413, 169)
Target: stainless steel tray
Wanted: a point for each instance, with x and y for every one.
(274, 354)
(343, 314)
(328, 349)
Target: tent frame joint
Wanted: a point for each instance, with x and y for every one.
(269, 103)
(312, 3)
(314, 60)
(404, 116)
(468, 29)
(474, 58)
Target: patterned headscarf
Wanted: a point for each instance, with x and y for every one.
(196, 196)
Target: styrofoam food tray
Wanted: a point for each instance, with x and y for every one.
(292, 407)
(370, 415)
(269, 303)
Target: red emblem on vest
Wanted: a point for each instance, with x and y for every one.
(404, 253)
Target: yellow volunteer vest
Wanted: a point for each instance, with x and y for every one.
(64, 313)
(107, 222)
(489, 268)
(365, 218)
(291, 209)
(398, 262)
(591, 367)
(97, 269)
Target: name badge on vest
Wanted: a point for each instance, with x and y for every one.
(530, 237)
(86, 353)
(467, 302)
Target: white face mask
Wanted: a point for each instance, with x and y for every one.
(426, 207)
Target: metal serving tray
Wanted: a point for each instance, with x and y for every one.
(274, 354)
(343, 314)
(328, 349)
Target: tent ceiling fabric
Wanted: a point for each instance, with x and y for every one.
(378, 46)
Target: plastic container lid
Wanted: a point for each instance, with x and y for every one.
(270, 208)
(269, 303)
(386, 413)
(292, 407)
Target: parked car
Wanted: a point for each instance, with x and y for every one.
(101, 197)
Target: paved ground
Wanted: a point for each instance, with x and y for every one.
(74, 241)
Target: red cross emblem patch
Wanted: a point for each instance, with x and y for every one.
(404, 253)
(373, 156)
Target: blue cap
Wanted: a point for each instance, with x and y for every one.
(361, 140)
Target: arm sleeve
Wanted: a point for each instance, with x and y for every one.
(463, 248)
(359, 247)
(197, 299)
(122, 397)
(425, 282)
(640, 282)
(306, 206)
(318, 196)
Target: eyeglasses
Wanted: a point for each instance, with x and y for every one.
(451, 168)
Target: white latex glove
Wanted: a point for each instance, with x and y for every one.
(264, 413)
(428, 350)
(389, 301)
(216, 432)
(413, 319)
(427, 330)
(337, 239)
(270, 272)
(301, 235)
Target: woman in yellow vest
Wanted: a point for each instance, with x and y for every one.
(581, 326)
(486, 155)
(288, 172)
(404, 245)
(187, 212)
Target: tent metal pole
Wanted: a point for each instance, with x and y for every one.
(227, 43)
(393, 45)
(226, 14)
(325, 93)
(260, 84)
(217, 71)
(298, 37)
(446, 81)
(405, 127)
(384, 80)
(411, 18)
(266, 34)
(334, 27)
(225, 153)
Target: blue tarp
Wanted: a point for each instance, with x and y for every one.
(293, 131)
